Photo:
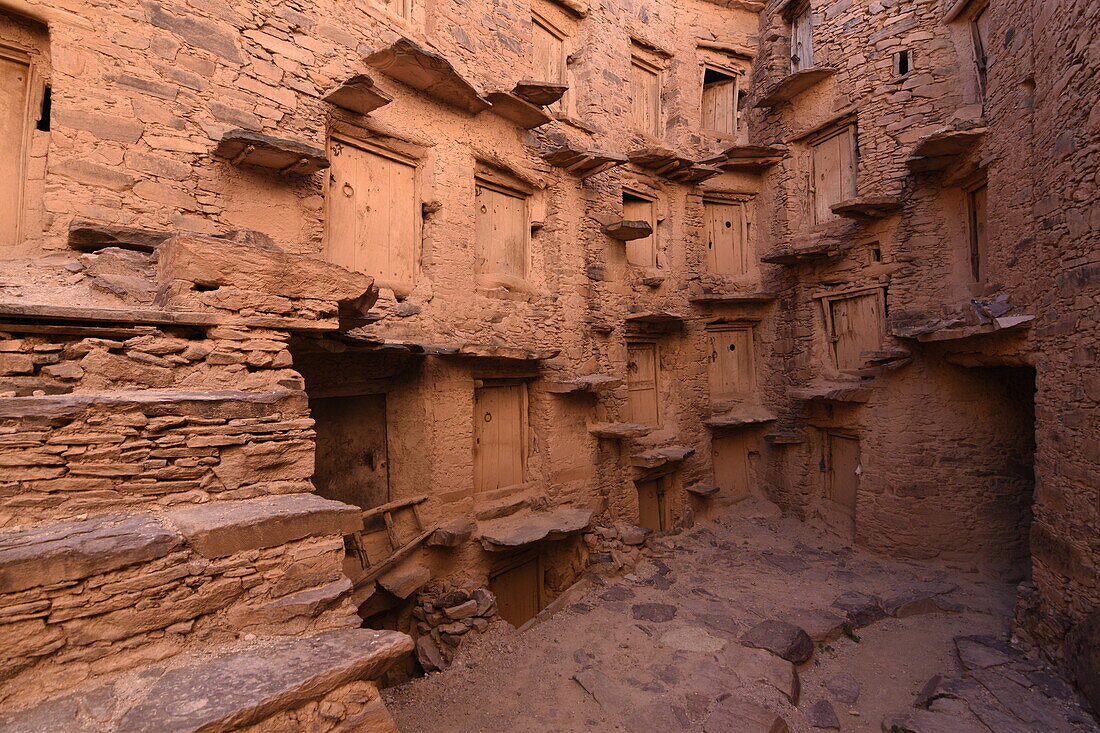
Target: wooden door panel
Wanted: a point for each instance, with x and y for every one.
(730, 456)
(857, 327)
(732, 364)
(641, 383)
(352, 460)
(501, 232)
(645, 99)
(724, 224)
(652, 505)
(979, 244)
(720, 107)
(833, 173)
(14, 96)
(641, 252)
(517, 593)
(843, 464)
(498, 437)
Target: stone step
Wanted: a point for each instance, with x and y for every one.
(236, 687)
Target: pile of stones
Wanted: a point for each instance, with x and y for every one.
(619, 544)
(444, 620)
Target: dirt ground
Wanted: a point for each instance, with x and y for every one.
(657, 649)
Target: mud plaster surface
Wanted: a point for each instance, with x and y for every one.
(722, 577)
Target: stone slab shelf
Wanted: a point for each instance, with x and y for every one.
(517, 110)
(511, 353)
(529, 527)
(749, 157)
(587, 383)
(856, 392)
(539, 93)
(655, 318)
(428, 72)
(619, 430)
(628, 230)
(731, 298)
(658, 457)
(867, 207)
(702, 490)
(287, 157)
(884, 356)
(671, 165)
(358, 94)
(959, 333)
(794, 84)
(940, 149)
(799, 255)
(582, 163)
(87, 236)
(740, 417)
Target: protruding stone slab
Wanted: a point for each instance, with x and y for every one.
(513, 108)
(541, 93)
(582, 163)
(60, 551)
(288, 157)
(511, 353)
(89, 236)
(794, 84)
(585, 383)
(452, 534)
(1004, 323)
(726, 297)
(734, 714)
(221, 528)
(749, 157)
(619, 430)
(781, 638)
(527, 527)
(822, 715)
(801, 253)
(628, 230)
(358, 94)
(703, 490)
(942, 148)
(861, 609)
(226, 692)
(832, 392)
(867, 207)
(821, 626)
(405, 578)
(655, 318)
(212, 263)
(746, 415)
(660, 456)
(429, 72)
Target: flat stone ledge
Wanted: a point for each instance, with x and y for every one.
(61, 551)
(582, 163)
(223, 528)
(428, 72)
(794, 84)
(358, 94)
(703, 490)
(619, 430)
(288, 157)
(540, 93)
(586, 383)
(223, 693)
(628, 230)
(243, 404)
(525, 528)
(87, 236)
(660, 456)
(511, 107)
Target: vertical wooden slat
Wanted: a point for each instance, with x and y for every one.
(719, 105)
(549, 60)
(14, 97)
(978, 235)
(834, 172)
(501, 231)
(857, 327)
(724, 226)
(642, 402)
(641, 252)
(645, 97)
(731, 465)
(498, 437)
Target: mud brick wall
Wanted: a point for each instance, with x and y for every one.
(69, 455)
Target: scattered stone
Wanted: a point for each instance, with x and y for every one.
(617, 593)
(924, 721)
(751, 664)
(781, 638)
(452, 534)
(633, 535)
(428, 654)
(406, 578)
(860, 608)
(485, 601)
(733, 715)
(656, 612)
(844, 688)
(453, 598)
(822, 715)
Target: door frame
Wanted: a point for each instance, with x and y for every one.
(35, 91)
(827, 300)
(524, 424)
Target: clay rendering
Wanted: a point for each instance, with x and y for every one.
(549, 365)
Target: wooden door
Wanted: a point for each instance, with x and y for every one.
(549, 59)
(352, 460)
(732, 368)
(501, 231)
(834, 174)
(518, 592)
(654, 510)
(979, 29)
(645, 97)
(641, 382)
(15, 76)
(842, 481)
(720, 105)
(730, 459)
(499, 436)
(802, 46)
(978, 236)
(725, 228)
(373, 222)
(857, 326)
(641, 252)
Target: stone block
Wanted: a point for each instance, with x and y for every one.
(284, 460)
(222, 528)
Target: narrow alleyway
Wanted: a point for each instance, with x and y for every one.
(662, 648)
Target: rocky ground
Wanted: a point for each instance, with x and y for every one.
(754, 623)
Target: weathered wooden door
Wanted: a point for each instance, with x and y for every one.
(641, 252)
(501, 231)
(857, 325)
(499, 436)
(373, 222)
(14, 97)
(641, 382)
(802, 44)
(549, 58)
(842, 481)
(352, 460)
(654, 511)
(979, 29)
(978, 237)
(720, 104)
(731, 368)
(834, 173)
(645, 97)
(518, 591)
(725, 228)
(730, 456)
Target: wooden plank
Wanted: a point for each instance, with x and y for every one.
(720, 106)
(649, 505)
(380, 567)
(394, 505)
(502, 232)
(802, 48)
(730, 458)
(549, 60)
(725, 231)
(641, 380)
(833, 172)
(518, 592)
(645, 97)
(642, 251)
(979, 238)
(857, 326)
(732, 364)
(15, 81)
(842, 478)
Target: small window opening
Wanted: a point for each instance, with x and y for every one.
(44, 115)
(903, 62)
(876, 254)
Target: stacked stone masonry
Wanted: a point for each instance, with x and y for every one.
(312, 311)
